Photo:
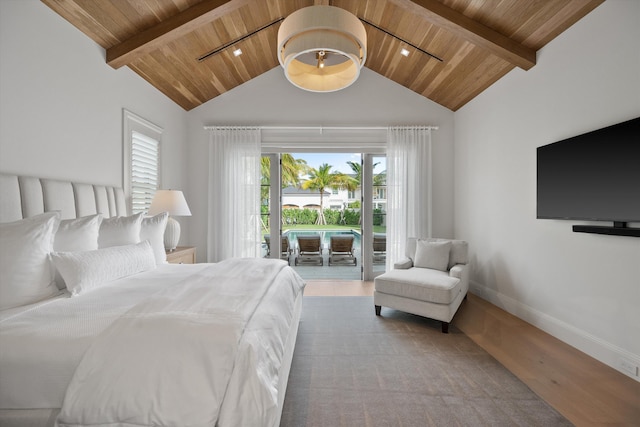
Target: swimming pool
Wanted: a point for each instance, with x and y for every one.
(325, 235)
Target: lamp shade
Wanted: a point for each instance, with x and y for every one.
(322, 48)
(171, 201)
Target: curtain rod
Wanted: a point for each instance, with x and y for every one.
(321, 128)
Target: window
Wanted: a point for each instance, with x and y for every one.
(141, 161)
(144, 171)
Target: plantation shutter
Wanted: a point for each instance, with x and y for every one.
(144, 171)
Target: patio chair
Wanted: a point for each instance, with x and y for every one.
(341, 249)
(379, 248)
(309, 249)
(267, 242)
(285, 249)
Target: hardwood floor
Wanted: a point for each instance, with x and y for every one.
(586, 391)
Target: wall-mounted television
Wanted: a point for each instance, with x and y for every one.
(594, 177)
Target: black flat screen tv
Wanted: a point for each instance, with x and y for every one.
(592, 177)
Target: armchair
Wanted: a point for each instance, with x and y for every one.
(431, 281)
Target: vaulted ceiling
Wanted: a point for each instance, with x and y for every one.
(457, 48)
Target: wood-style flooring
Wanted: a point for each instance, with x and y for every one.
(584, 390)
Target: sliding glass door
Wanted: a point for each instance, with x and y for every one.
(270, 202)
(374, 208)
(335, 194)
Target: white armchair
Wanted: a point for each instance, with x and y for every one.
(432, 281)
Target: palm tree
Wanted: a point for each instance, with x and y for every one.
(378, 179)
(321, 178)
(356, 180)
(292, 169)
(356, 167)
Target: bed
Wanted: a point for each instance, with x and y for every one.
(119, 337)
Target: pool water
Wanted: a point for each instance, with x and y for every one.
(325, 235)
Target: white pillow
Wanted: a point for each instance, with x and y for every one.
(153, 231)
(26, 275)
(433, 255)
(79, 234)
(83, 271)
(119, 231)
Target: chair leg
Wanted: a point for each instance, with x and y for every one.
(378, 308)
(445, 327)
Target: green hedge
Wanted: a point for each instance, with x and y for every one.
(378, 217)
(299, 216)
(333, 217)
(310, 216)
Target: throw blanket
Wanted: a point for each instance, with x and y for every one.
(168, 361)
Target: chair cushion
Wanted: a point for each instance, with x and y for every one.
(432, 255)
(459, 250)
(421, 284)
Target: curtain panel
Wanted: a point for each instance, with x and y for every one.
(408, 187)
(234, 193)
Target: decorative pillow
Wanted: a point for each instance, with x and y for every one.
(433, 255)
(119, 231)
(86, 270)
(26, 275)
(79, 234)
(153, 231)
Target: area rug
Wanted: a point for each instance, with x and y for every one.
(351, 368)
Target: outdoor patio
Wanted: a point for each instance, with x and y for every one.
(337, 271)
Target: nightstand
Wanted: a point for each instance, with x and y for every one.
(182, 255)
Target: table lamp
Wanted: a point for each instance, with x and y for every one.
(171, 201)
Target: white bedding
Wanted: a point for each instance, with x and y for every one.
(43, 343)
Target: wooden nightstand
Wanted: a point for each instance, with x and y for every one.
(182, 255)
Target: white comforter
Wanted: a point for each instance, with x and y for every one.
(177, 358)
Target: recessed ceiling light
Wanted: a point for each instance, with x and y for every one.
(237, 52)
(404, 52)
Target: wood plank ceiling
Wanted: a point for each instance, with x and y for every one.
(473, 42)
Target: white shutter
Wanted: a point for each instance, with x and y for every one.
(144, 171)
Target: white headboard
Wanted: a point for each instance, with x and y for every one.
(25, 196)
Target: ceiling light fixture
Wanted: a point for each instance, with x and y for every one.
(404, 52)
(237, 52)
(320, 58)
(322, 48)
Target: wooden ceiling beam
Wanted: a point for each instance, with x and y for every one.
(169, 30)
(472, 31)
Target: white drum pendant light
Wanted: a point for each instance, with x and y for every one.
(322, 48)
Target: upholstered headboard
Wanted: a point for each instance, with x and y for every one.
(25, 196)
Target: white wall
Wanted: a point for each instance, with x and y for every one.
(583, 288)
(61, 104)
(270, 100)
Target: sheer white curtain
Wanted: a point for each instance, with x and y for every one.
(408, 187)
(234, 193)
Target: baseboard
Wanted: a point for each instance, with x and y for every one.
(595, 347)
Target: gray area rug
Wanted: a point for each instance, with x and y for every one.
(351, 368)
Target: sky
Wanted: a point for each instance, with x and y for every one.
(338, 161)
